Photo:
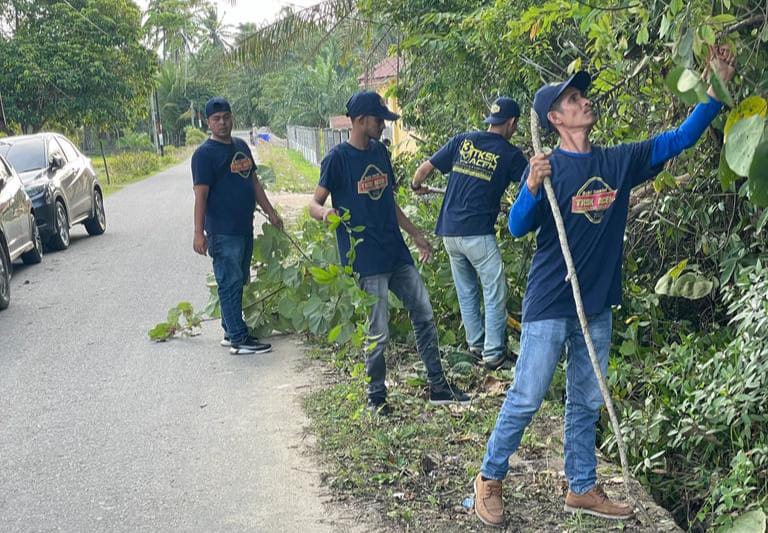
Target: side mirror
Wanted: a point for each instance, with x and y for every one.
(57, 162)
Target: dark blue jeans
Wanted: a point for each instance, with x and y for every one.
(407, 285)
(231, 256)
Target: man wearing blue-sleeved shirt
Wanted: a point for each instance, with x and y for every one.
(359, 177)
(227, 190)
(482, 164)
(592, 185)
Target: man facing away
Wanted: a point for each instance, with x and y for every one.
(226, 192)
(359, 177)
(592, 185)
(482, 164)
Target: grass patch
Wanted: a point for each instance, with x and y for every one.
(282, 169)
(129, 167)
(417, 466)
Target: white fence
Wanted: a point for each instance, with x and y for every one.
(314, 143)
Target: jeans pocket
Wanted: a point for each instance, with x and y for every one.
(475, 248)
(211, 245)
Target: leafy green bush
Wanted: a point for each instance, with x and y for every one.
(135, 142)
(194, 136)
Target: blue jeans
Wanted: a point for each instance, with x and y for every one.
(542, 343)
(231, 256)
(471, 258)
(407, 285)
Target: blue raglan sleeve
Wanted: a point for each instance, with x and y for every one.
(442, 160)
(202, 169)
(672, 143)
(522, 216)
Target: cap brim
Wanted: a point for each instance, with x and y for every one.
(389, 115)
(495, 120)
(581, 80)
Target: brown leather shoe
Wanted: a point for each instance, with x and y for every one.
(489, 507)
(597, 503)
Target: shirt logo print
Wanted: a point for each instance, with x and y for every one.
(373, 182)
(593, 199)
(475, 162)
(241, 164)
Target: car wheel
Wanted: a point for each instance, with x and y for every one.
(35, 255)
(97, 224)
(5, 278)
(60, 239)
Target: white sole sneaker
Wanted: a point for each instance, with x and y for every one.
(242, 350)
(226, 343)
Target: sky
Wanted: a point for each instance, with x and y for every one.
(258, 11)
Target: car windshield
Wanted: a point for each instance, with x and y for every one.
(25, 154)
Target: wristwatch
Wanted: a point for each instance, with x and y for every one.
(415, 186)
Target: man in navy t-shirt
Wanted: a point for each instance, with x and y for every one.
(359, 177)
(592, 185)
(227, 190)
(481, 164)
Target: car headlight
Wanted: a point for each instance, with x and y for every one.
(35, 190)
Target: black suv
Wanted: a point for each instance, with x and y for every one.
(61, 183)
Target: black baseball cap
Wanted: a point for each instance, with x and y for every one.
(369, 104)
(502, 109)
(548, 95)
(217, 104)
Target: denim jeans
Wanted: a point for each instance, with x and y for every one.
(407, 285)
(471, 258)
(231, 256)
(541, 346)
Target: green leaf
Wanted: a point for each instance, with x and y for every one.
(334, 333)
(678, 269)
(707, 34)
(161, 332)
(664, 285)
(692, 286)
(321, 275)
(642, 35)
(758, 175)
(742, 141)
(754, 105)
(727, 176)
(721, 90)
(687, 81)
(749, 522)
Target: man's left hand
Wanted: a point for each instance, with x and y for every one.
(723, 61)
(425, 249)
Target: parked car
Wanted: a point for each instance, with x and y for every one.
(19, 234)
(60, 182)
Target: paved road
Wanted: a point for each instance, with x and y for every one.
(101, 430)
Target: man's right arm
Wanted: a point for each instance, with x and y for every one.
(522, 216)
(200, 243)
(317, 209)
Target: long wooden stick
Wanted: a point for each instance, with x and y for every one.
(571, 276)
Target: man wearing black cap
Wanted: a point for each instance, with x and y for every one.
(359, 177)
(226, 192)
(482, 164)
(592, 185)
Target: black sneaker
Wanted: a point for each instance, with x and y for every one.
(250, 345)
(378, 408)
(448, 394)
(493, 363)
(477, 353)
(226, 342)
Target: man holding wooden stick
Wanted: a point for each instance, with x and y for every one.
(592, 186)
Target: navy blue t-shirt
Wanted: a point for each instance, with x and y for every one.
(592, 192)
(481, 165)
(228, 170)
(361, 182)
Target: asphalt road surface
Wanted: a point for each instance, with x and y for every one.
(102, 430)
